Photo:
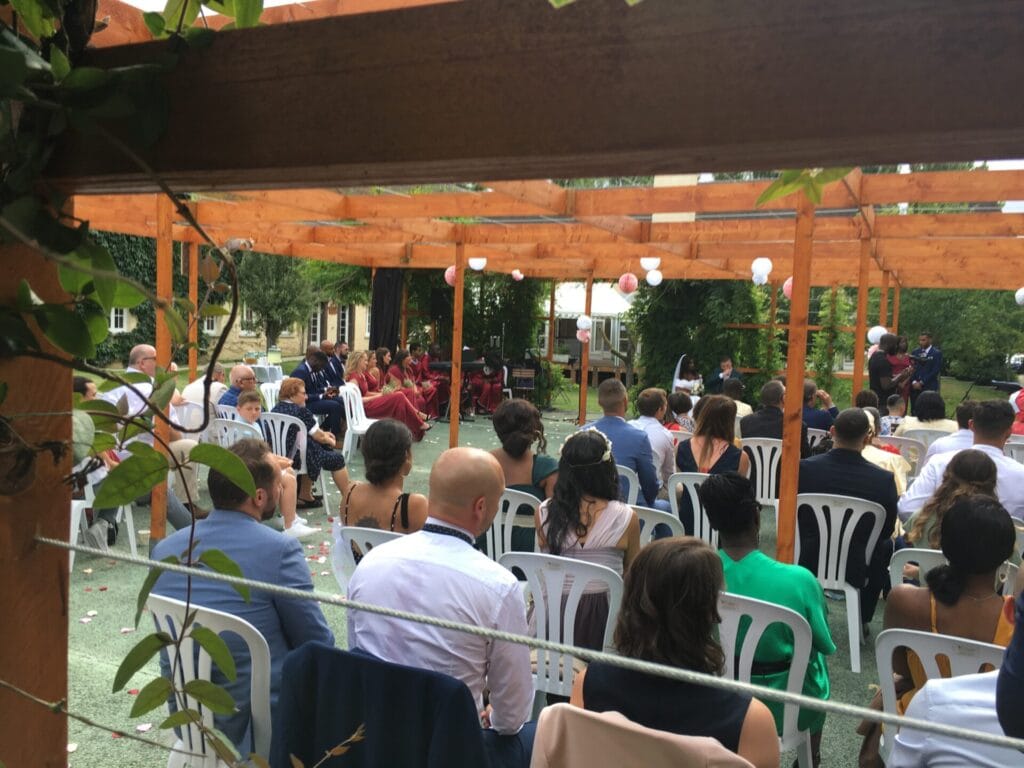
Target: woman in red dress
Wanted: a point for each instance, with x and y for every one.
(900, 362)
(486, 386)
(402, 376)
(378, 405)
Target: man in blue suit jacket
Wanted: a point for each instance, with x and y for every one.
(630, 445)
(926, 374)
(321, 397)
(334, 371)
(234, 527)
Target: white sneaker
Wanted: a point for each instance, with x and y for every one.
(300, 530)
(301, 519)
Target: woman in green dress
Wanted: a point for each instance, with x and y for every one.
(734, 511)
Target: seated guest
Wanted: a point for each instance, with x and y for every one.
(687, 379)
(844, 471)
(320, 453)
(897, 410)
(400, 377)
(377, 363)
(196, 391)
(866, 399)
(884, 456)
(485, 384)
(249, 410)
(669, 616)
(378, 405)
(437, 572)
(382, 502)
(680, 407)
(815, 417)
(1010, 688)
(585, 520)
(712, 449)
(518, 425)
(733, 511)
(630, 446)
(437, 379)
(1017, 404)
(725, 373)
(321, 398)
(242, 380)
(929, 413)
(960, 598)
(734, 389)
(262, 553)
(652, 405)
(959, 440)
(334, 370)
(767, 420)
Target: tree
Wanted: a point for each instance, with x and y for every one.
(339, 283)
(277, 293)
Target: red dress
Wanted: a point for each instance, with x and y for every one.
(424, 401)
(486, 389)
(899, 364)
(393, 405)
(440, 382)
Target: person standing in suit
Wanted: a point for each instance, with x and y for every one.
(926, 374)
(844, 472)
(766, 421)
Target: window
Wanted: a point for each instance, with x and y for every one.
(118, 320)
(210, 324)
(343, 323)
(248, 321)
(367, 334)
(316, 324)
(542, 339)
(597, 342)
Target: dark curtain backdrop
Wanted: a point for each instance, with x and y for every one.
(386, 308)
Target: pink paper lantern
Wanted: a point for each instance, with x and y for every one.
(787, 288)
(628, 282)
(517, 275)
(449, 275)
(583, 336)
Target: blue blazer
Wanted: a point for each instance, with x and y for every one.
(265, 555)
(315, 383)
(631, 448)
(334, 372)
(928, 373)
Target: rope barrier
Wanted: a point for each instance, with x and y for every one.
(672, 673)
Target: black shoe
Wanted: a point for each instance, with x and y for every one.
(112, 533)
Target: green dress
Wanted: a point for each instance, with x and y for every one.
(796, 588)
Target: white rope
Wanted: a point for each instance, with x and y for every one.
(673, 673)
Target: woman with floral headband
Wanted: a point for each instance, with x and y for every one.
(585, 520)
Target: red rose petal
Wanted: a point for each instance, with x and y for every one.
(88, 589)
(103, 589)
(133, 691)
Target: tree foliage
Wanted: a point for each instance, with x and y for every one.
(277, 293)
(339, 283)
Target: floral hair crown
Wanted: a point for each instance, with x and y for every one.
(605, 457)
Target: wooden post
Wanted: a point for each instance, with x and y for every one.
(34, 598)
(585, 357)
(455, 410)
(191, 252)
(862, 317)
(551, 322)
(164, 290)
(896, 307)
(883, 303)
(799, 309)
(403, 331)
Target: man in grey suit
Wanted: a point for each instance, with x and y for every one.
(235, 528)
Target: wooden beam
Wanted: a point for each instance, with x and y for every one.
(391, 80)
(883, 301)
(455, 409)
(862, 317)
(164, 290)
(796, 355)
(191, 253)
(585, 356)
(896, 309)
(551, 322)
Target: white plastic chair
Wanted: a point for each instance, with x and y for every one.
(965, 657)
(910, 449)
(834, 550)
(227, 432)
(506, 388)
(196, 664)
(815, 436)
(271, 391)
(739, 659)
(499, 535)
(275, 427)
(79, 522)
(364, 539)
(632, 482)
(650, 518)
(356, 421)
(1015, 451)
(926, 559)
(765, 454)
(552, 580)
(261, 372)
(926, 436)
(691, 482)
(226, 412)
(189, 416)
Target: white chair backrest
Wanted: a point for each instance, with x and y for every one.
(926, 559)
(910, 449)
(353, 399)
(188, 415)
(271, 391)
(679, 435)
(1015, 451)
(926, 436)
(195, 664)
(499, 535)
(226, 411)
(739, 659)
(227, 432)
(628, 478)
(815, 436)
(688, 483)
(365, 539)
(651, 518)
(553, 582)
(836, 518)
(276, 427)
(765, 455)
(965, 657)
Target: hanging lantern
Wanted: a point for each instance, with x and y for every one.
(761, 267)
(650, 262)
(654, 277)
(760, 279)
(787, 288)
(449, 275)
(584, 323)
(1019, 296)
(628, 282)
(477, 263)
(876, 333)
(517, 275)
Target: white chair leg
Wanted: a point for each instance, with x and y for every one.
(127, 512)
(804, 754)
(77, 517)
(346, 446)
(853, 621)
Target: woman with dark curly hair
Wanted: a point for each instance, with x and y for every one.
(518, 426)
(929, 413)
(382, 502)
(584, 519)
(668, 616)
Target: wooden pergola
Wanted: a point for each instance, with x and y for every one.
(510, 89)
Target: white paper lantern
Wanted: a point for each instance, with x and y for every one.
(477, 263)
(761, 266)
(584, 323)
(654, 277)
(650, 262)
(1019, 296)
(760, 279)
(876, 333)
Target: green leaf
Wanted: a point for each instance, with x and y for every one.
(211, 695)
(65, 329)
(83, 435)
(247, 13)
(126, 296)
(132, 478)
(214, 645)
(255, 759)
(36, 16)
(222, 746)
(154, 694)
(787, 183)
(147, 587)
(13, 71)
(104, 415)
(139, 656)
(181, 717)
(3, 392)
(15, 335)
(217, 561)
(103, 441)
(59, 63)
(223, 7)
(73, 280)
(199, 38)
(225, 462)
(96, 321)
(154, 23)
(28, 300)
(213, 310)
(164, 392)
(86, 79)
(173, 18)
(131, 378)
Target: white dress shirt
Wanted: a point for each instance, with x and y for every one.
(967, 701)
(662, 446)
(194, 392)
(962, 438)
(136, 405)
(444, 576)
(1009, 482)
